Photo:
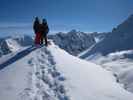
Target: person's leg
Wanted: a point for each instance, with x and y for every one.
(37, 38)
(46, 41)
(42, 39)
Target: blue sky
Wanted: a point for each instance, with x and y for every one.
(63, 15)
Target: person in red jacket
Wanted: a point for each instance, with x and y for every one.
(36, 28)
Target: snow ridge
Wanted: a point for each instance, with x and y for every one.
(45, 82)
(53, 74)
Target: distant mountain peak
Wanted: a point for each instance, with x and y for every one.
(121, 38)
(129, 19)
(74, 41)
(73, 31)
(126, 27)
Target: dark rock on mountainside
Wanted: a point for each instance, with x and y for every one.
(73, 42)
(3, 47)
(22, 40)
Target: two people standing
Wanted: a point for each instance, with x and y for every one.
(41, 30)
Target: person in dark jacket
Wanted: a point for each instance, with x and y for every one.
(36, 28)
(36, 25)
(44, 31)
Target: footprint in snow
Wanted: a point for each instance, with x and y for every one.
(30, 62)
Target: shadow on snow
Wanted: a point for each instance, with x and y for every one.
(17, 57)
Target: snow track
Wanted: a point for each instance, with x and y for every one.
(52, 74)
(44, 81)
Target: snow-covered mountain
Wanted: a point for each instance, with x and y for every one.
(53, 74)
(17, 41)
(121, 38)
(98, 36)
(120, 64)
(3, 47)
(31, 73)
(115, 53)
(14, 43)
(73, 42)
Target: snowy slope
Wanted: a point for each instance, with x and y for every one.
(31, 78)
(52, 74)
(87, 80)
(115, 53)
(120, 63)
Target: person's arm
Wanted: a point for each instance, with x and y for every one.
(34, 26)
(47, 28)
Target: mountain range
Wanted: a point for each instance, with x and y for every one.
(75, 66)
(121, 38)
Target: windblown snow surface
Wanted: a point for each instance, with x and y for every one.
(52, 74)
(120, 63)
